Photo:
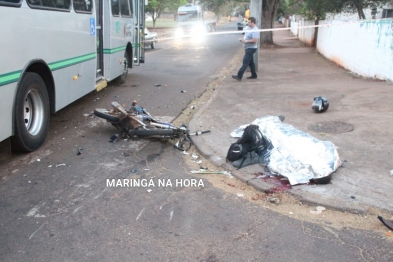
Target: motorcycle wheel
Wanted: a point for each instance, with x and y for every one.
(107, 115)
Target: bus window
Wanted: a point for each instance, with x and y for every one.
(61, 4)
(7, 2)
(83, 6)
(125, 11)
(115, 7)
(131, 7)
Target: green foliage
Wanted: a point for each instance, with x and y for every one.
(359, 5)
(289, 7)
(312, 9)
(317, 9)
(155, 7)
(214, 5)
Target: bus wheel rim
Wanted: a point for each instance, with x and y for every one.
(33, 112)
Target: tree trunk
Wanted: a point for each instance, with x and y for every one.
(359, 7)
(314, 44)
(269, 10)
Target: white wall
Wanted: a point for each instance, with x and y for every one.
(294, 28)
(306, 35)
(365, 48)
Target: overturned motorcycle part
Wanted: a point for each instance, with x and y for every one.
(118, 107)
(107, 115)
(151, 132)
(199, 133)
(184, 144)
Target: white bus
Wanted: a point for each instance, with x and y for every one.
(53, 52)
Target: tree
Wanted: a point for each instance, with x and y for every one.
(289, 7)
(269, 11)
(317, 9)
(214, 6)
(157, 6)
(359, 5)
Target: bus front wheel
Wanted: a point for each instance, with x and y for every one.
(31, 120)
(124, 74)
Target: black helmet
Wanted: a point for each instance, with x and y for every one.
(320, 104)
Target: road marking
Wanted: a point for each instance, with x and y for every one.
(140, 214)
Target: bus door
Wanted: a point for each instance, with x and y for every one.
(139, 32)
(99, 38)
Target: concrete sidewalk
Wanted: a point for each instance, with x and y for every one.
(289, 77)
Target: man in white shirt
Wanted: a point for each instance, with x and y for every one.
(250, 44)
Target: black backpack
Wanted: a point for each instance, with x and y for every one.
(252, 140)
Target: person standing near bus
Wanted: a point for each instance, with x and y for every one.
(250, 44)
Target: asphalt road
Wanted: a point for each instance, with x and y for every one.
(56, 205)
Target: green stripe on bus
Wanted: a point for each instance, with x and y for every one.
(14, 76)
(114, 50)
(72, 61)
(9, 77)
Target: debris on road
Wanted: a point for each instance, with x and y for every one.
(273, 200)
(210, 172)
(60, 165)
(240, 195)
(89, 114)
(149, 190)
(194, 156)
(79, 151)
(387, 223)
(114, 138)
(318, 211)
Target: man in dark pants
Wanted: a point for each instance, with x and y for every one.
(250, 44)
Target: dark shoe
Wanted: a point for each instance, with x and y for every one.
(252, 77)
(236, 77)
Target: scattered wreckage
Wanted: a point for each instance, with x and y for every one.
(137, 122)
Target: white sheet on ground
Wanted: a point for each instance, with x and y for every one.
(294, 153)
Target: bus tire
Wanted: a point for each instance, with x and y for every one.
(31, 120)
(105, 114)
(151, 132)
(124, 74)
